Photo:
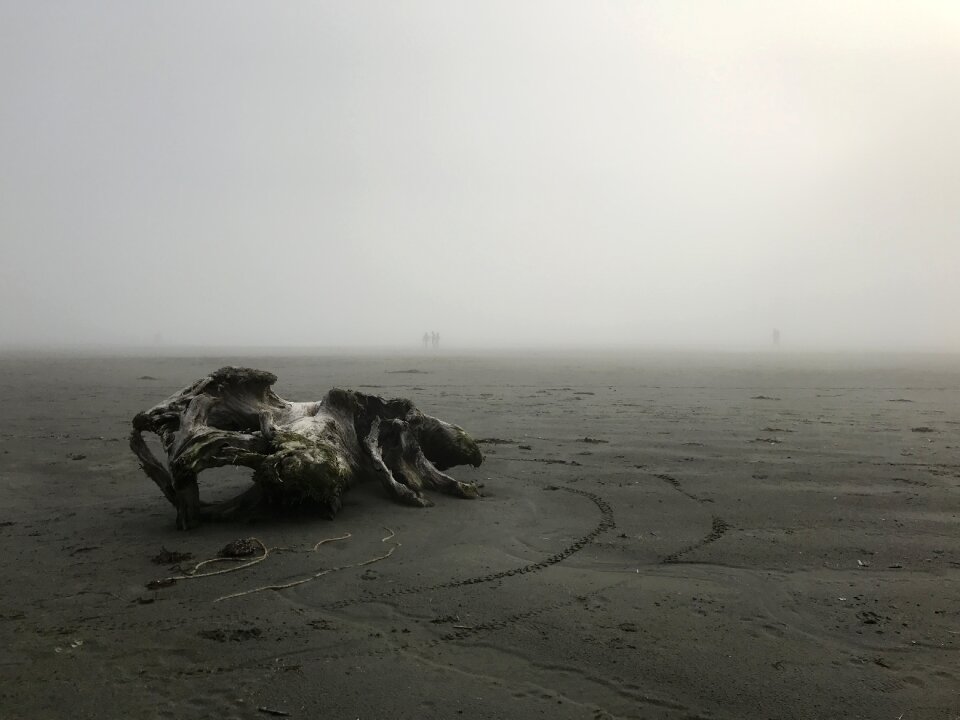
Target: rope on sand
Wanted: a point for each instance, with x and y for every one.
(321, 573)
(342, 537)
(191, 574)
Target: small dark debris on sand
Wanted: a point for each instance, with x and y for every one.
(495, 441)
(446, 619)
(770, 441)
(85, 549)
(170, 557)
(78, 456)
(524, 447)
(910, 481)
(546, 461)
(593, 440)
(157, 584)
(245, 547)
(238, 635)
(774, 429)
(408, 371)
(583, 392)
(922, 429)
(146, 377)
(764, 397)
(900, 400)
(273, 711)
(869, 617)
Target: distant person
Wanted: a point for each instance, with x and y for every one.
(426, 339)
(435, 337)
(776, 337)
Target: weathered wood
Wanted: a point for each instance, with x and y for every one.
(300, 452)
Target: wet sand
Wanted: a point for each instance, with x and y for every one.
(689, 536)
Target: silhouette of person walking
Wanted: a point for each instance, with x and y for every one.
(426, 339)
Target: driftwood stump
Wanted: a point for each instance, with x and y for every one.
(300, 452)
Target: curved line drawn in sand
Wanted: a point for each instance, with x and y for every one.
(680, 489)
(606, 523)
(492, 626)
(718, 526)
(463, 632)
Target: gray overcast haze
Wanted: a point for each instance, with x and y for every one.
(506, 173)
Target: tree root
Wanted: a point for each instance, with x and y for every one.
(300, 452)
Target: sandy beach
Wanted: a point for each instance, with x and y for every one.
(661, 536)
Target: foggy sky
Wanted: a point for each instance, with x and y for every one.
(506, 173)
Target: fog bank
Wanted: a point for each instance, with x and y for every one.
(576, 174)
